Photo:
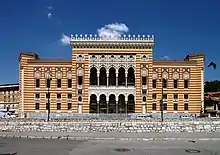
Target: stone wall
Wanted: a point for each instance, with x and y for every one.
(111, 126)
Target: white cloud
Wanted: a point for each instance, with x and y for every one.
(49, 15)
(112, 30)
(165, 57)
(65, 40)
(50, 7)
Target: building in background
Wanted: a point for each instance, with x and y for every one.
(9, 98)
(212, 104)
(111, 76)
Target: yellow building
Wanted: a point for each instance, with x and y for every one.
(9, 98)
(111, 75)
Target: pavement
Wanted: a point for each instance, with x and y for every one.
(113, 136)
(106, 147)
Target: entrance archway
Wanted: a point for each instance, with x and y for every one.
(93, 107)
(131, 104)
(102, 104)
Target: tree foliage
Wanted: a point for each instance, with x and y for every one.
(212, 86)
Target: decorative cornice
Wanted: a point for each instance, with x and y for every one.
(120, 42)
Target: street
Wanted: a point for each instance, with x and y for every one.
(107, 147)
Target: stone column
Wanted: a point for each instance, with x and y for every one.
(107, 106)
(98, 78)
(116, 78)
(116, 104)
(126, 79)
(107, 75)
(126, 107)
(98, 107)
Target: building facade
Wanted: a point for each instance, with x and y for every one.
(111, 75)
(9, 98)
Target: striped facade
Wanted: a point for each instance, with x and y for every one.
(110, 94)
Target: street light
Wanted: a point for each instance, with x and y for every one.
(48, 98)
(161, 101)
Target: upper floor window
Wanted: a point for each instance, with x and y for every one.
(186, 83)
(144, 80)
(154, 96)
(69, 96)
(37, 96)
(154, 83)
(164, 96)
(37, 79)
(37, 83)
(154, 106)
(80, 80)
(59, 77)
(164, 83)
(144, 99)
(58, 83)
(69, 83)
(186, 96)
(186, 107)
(48, 79)
(58, 106)
(58, 96)
(186, 79)
(175, 83)
(48, 83)
(175, 96)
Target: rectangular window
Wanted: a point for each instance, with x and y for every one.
(186, 83)
(164, 107)
(69, 106)
(164, 96)
(58, 96)
(69, 83)
(4, 98)
(13, 98)
(58, 106)
(69, 96)
(58, 83)
(175, 83)
(154, 83)
(47, 106)
(154, 107)
(186, 96)
(37, 96)
(175, 107)
(79, 91)
(48, 95)
(186, 106)
(37, 83)
(144, 80)
(154, 96)
(80, 80)
(48, 83)
(164, 83)
(175, 96)
(37, 106)
(144, 91)
(9, 99)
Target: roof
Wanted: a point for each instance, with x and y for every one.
(174, 62)
(51, 61)
(32, 54)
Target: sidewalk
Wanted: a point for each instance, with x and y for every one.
(112, 136)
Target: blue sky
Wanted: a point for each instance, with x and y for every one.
(180, 27)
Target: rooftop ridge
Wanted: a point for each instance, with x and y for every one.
(124, 37)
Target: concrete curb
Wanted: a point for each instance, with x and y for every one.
(106, 138)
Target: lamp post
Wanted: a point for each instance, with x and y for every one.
(48, 98)
(161, 101)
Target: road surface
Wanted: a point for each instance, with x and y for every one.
(107, 147)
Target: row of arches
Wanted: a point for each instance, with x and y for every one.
(121, 106)
(111, 79)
